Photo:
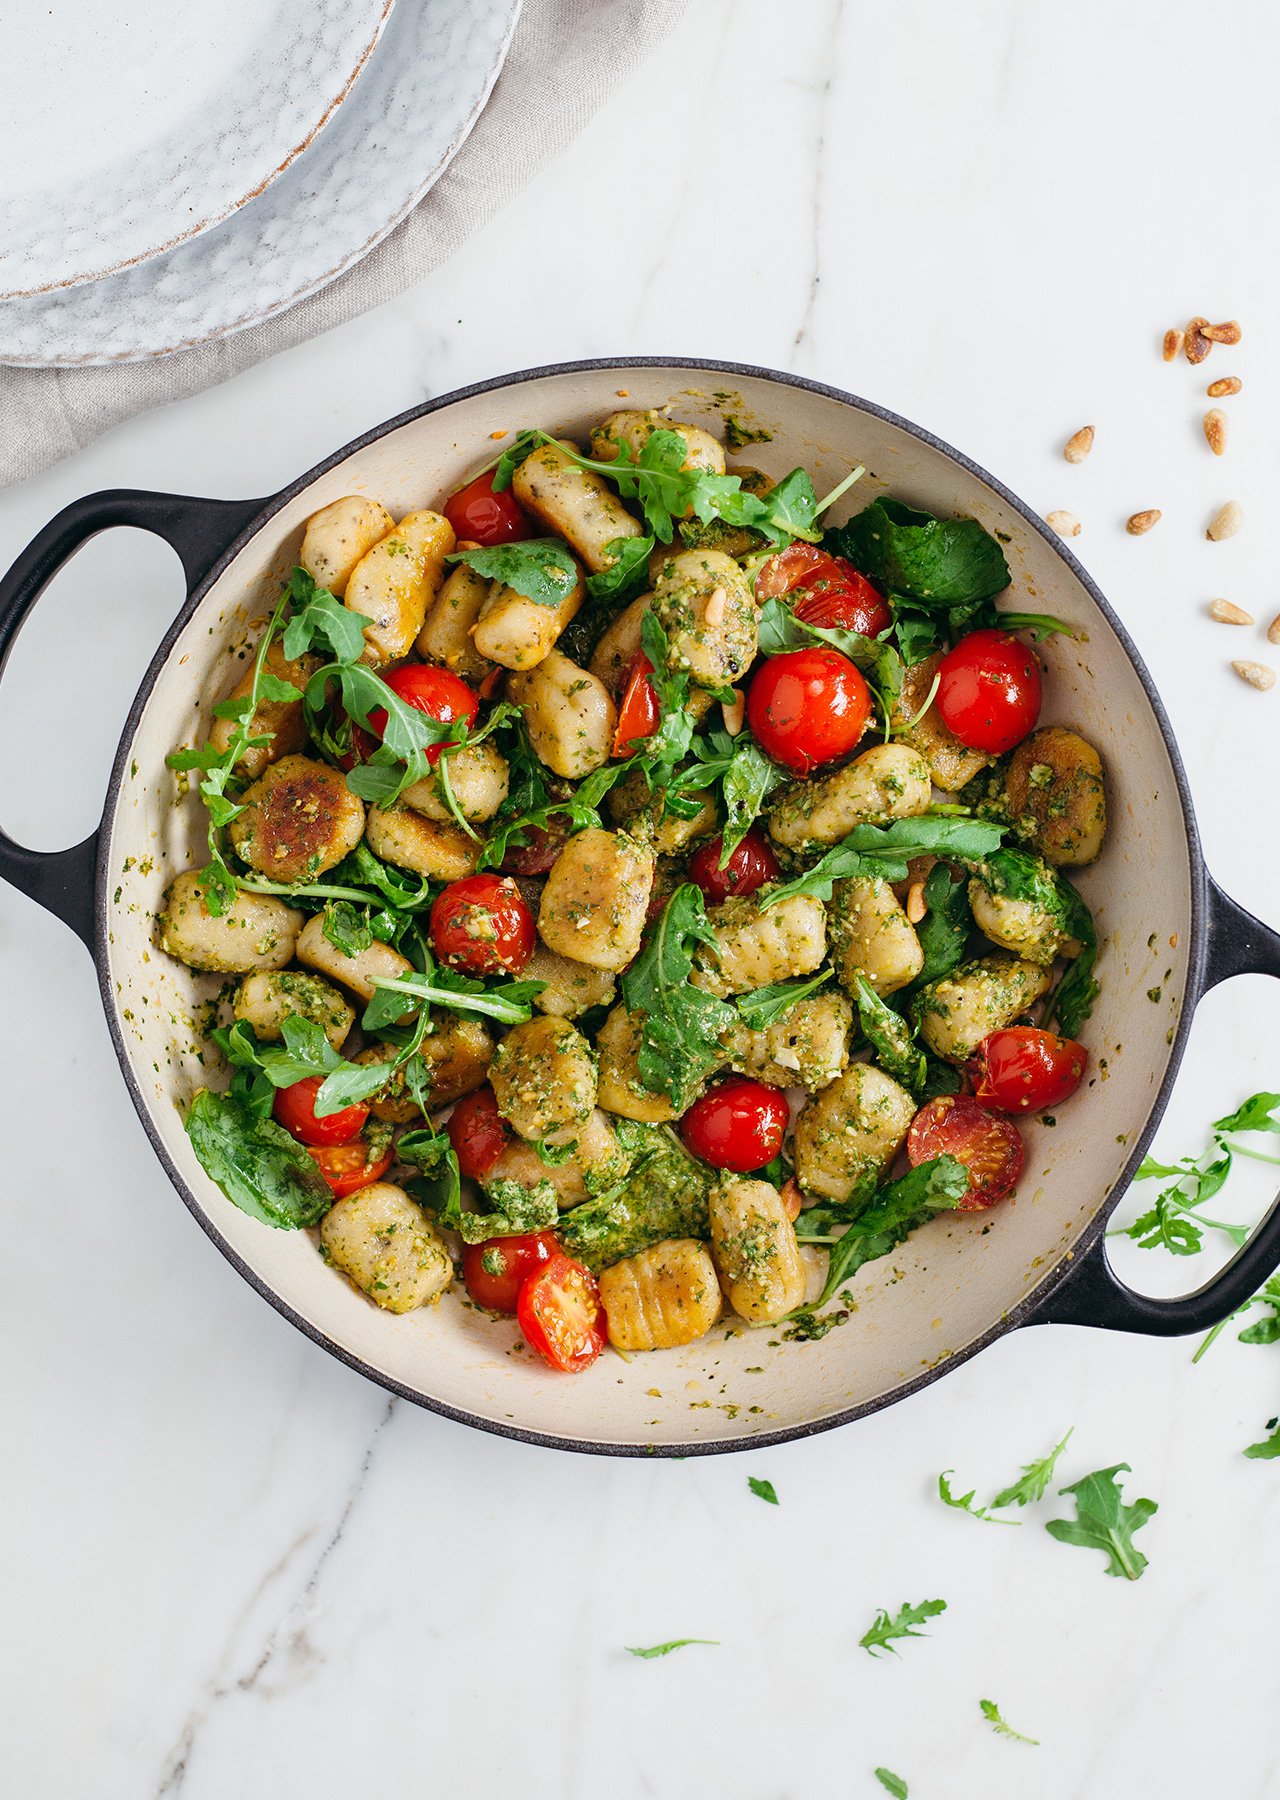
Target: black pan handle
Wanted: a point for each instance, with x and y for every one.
(1091, 1293)
(200, 531)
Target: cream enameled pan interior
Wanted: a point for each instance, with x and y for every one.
(955, 1280)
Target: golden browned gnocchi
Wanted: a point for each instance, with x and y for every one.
(576, 503)
(806, 1048)
(338, 536)
(594, 903)
(393, 584)
(446, 635)
(358, 971)
(280, 722)
(518, 632)
(1054, 783)
(662, 1297)
(479, 779)
(951, 763)
(433, 847)
(569, 988)
(297, 820)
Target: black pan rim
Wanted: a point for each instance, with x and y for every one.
(1054, 1277)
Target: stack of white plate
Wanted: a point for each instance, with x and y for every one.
(171, 174)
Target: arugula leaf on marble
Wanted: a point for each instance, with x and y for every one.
(762, 1489)
(653, 1650)
(991, 1713)
(1104, 1522)
(883, 1631)
(891, 1783)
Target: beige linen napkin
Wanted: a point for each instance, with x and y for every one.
(566, 57)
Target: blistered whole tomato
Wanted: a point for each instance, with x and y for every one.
(496, 1270)
(750, 865)
(989, 691)
(560, 1314)
(1023, 1069)
(438, 693)
(481, 516)
(478, 1132)
(294, 1107)
(988, 1145)
(807, 708)
(738, 1124)
(483, 926)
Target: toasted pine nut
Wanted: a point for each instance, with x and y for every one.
(1173, 341)
(791, 1198)
(1215, 430)
(1228, 333)
(1273, 630)
(497, 434)
(1225, 522)
(1196, 346)
(1229, 384)
(1139, 522)
(1079, 444)
(467, 544)
(916, 908)
(1064, 523)
(714, 615)
(1257, 674)
(1226, 612)
(734, 715)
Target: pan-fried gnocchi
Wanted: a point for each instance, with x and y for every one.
(568, 955)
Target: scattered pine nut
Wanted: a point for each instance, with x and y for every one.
(916, 908)
(1228, 333)
(1173, 341)
(497, 434)
(1257, 674)
(714, 615)
(467, 544)
(1064, 523)
(1273, 630)
(623, 393)
(1079, 444)
(1225, 522)
(1139, 522)
(734, 714)
(1196, 346)
(1229, 384)
(1226, 612)
(1215, 430)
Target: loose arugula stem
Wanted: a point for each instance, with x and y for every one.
(510, 1012)
(1243, 1150)
(841, 487)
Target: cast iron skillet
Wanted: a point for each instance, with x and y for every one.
(1079, 1287)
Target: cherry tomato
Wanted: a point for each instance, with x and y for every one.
(346, 1167)
(482, 926)
(807, 708)
(989, 1146)
(739, 1124)
(750, 865)
(478, 1132)
(639, 714)
(439, 693)
(1025, 1070)
(989, 691)
(480, 516)
(537, 856)
(560, 1314)
(496, 1271)
(294, 1107)
(829, 590)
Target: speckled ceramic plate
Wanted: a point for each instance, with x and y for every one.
(394, 136)
(127, 129)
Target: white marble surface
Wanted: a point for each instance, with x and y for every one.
(231, 1567)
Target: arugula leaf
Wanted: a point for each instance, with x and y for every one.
(891, 1783)
(1266, 1331)
(946, 927)
(439, 1187)
(780, 629)
(949, 561)
(893, 1043)
(626, 574)
(968, 1502)
(320, 619)
(991, 1712)
(883, 1630)
(1103, 1521)
(938, 1185)
(541, 568)
(258, 1166)
(765, 1006)
(1033, 1483)
(680, 1024)
(762, 1489)
(305, 1052)
(749, 779)
(1260, 1112)
(665, 1649)
(885, 851)
(1269, 1448)
(346, 928)
(509, 1002)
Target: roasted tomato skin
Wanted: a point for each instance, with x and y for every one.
(739, 1124)
(989, 690)
(639, 713)
(478, 1132)
(496, 1270)
(751, 864)
(439, 693)
(987, 1143)
(560, 1314)
(479, 515)
(482, 925)
(807, 708)
(828, 590)
(294, 1107)
(1023, 1069)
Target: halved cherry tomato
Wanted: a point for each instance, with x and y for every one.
(988, 1145)
(496, 1271)
(439, 693)
(639, 715)
(830, 591)
(739, 1124)
(750, 865)
(478, 1132)
(294, 1107)
(1024, 1069)
(560, 1314)
(346, 1167)
(481, 516)
(544, 845)
(808, 707)
(989, 691)
(483, 926)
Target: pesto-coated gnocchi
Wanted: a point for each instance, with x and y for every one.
(754, 1246)
(569, 988)
(446, 637)
(596, 1160)
(1054, 783)
(596, 896)
(703, 603)
(393, 584)
(567, 713)
(518, 632)
(297, 820)
(433, 847)
(255, 932)
(806, 1048)
(358, 972)
(871, 936)
(479, 780)
(848, 1134)
(575, 503)
(759, 945)
(951, 763)
(958, 1011)
(388, 1247)
(269, 997)
(277, 727)
(886, 782)
(544, 1078)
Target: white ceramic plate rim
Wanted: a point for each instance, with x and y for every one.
(276, 155)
